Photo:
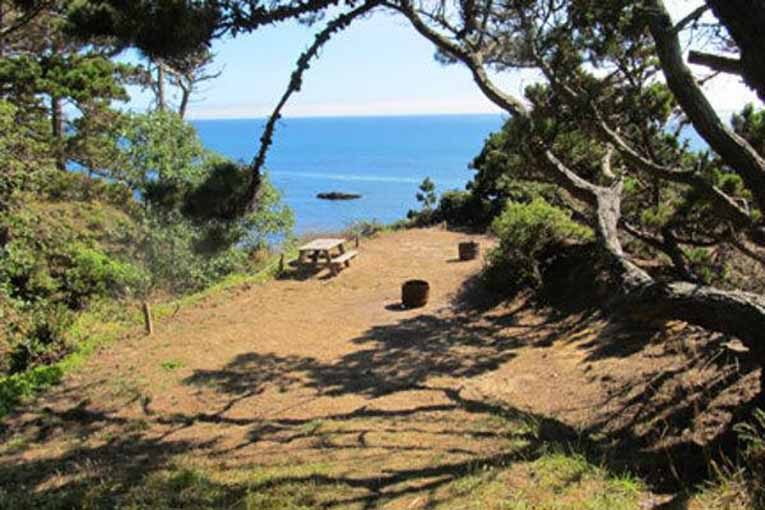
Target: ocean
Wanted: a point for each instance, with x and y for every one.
(384, 159)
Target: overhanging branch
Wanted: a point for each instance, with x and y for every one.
(716, 62)
(296, 81)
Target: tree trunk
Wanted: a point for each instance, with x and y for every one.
(745, 20)
(160, 86)
(185, 95)
(733, 149)
(739, 314)
(57, 130)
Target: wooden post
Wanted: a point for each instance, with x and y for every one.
(281, 264)
(147, 318)
(357, 241)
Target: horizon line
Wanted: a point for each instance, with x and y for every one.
(355, 115)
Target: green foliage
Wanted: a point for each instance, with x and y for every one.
(428, 198)
(95, 273)
(171, 365)
(427, 194)
(463, 208)
(162, 158)
(158, 216)
(750, 124)
(703, 264)
(56, 258)
(186, 26)
(172, 255)
(25, 156)
(226, 225)
(526, 232)
(270, 220)
(14, 388)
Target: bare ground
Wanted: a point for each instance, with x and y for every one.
(328, 380)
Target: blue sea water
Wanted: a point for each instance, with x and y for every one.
(382, 158)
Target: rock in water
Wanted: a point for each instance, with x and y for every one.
(338, 195)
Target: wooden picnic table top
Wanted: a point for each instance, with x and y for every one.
(321, 244)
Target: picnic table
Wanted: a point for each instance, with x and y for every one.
(320, 250)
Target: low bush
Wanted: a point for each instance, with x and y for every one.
(464, 208)
(93, 273)
(527, 232)
(365, 228)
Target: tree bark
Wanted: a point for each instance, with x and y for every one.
(716, 62)
(745, 20)
(57, 130)
(160, 86)
(341, 22)
(735, 313)
(733, 149)
(185, 95)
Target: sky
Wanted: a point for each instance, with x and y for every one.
(378, 66)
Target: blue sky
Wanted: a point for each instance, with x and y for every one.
(379, 66)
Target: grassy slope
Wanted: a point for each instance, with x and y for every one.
(111, 230)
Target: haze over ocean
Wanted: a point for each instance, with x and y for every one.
(382, 158)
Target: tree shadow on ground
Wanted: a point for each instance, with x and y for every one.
(432, 353)
(124, 469)
(97, 475)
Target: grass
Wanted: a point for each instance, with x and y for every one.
(107, 322)
(730, 491)
(188, 486)
(311, 486)
(171, 365)
(548, 477)
(554, 481)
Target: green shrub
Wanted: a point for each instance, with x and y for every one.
(15, 387)
(78, 187)
(94, 273)
(365, 228)
(464, 208)
(174, 254)
(32, 333)
(426, 195)
(526, 232)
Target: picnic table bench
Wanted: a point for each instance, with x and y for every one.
(320, 250)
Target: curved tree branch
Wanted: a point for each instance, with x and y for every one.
(737, 313)
(296, 81)
(731, 147)
(252, 14)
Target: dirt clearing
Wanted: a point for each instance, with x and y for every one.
(314, 392)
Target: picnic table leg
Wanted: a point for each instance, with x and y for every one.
(332, 267)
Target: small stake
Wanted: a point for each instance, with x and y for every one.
(281, 263)
(357, 241)
(147, 318)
